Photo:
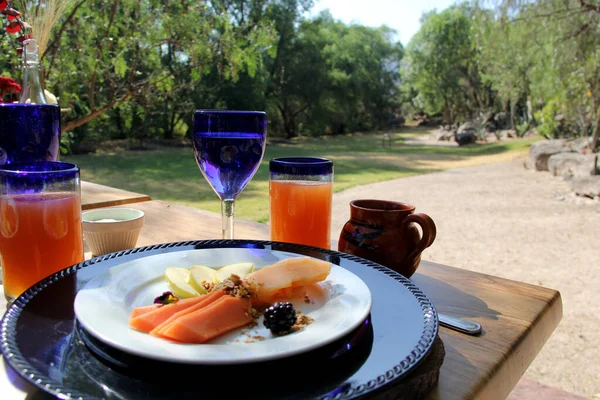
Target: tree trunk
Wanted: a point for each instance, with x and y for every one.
(94, 114)
(168, 131)
(512, 116)
(447, 112)
(594, 144)
(119, 123)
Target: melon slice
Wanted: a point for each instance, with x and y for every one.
(146, 321)
(312, 293)
(287, 273)
(136, 312)
(219, 317)
(206, 301)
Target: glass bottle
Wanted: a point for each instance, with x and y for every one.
(33, 92)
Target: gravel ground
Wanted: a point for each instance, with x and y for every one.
(504, 220)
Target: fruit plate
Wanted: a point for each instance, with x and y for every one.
(40, 338)
(103, 306)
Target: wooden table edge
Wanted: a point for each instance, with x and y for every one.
(526, 350)
(112, 203)
(506, 373)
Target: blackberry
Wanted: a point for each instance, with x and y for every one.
(280, 317)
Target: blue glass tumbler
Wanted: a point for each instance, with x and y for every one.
(29, 132)
(40, 222)
(229, 147)
(300, 193)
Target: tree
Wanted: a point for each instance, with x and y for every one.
(335, 78)
(145, 51)
(138, 69)
(554, 58)
(441, 66)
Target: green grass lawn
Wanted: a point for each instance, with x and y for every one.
(171, 174)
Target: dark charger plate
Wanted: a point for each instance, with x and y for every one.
(42, 341)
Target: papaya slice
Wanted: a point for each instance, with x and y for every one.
(136, 312)
(207, 300)
(146, 321)
(204, 324)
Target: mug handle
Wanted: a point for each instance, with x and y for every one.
(429, 232)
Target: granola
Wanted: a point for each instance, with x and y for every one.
(234, 286)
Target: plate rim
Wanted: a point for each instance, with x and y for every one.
(252, 358)
(13, 357)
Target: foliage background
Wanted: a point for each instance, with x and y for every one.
(137, 70)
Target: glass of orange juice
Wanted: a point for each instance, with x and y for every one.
(300, 192)
(40, 222)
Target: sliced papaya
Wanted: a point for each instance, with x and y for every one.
(147, 321)
(206, 300)
(136, 312)
(217, 318)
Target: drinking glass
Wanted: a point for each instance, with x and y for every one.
(300, 192)
(29, 132)
(40, 222)
(229, 147)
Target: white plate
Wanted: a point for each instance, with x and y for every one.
(104, 304)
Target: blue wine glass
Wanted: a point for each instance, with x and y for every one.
(229, 147)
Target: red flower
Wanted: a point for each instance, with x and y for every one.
(12, 17)
(15, 24)
(7, 86)
(13, 27)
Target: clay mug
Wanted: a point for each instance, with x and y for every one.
(384, 232)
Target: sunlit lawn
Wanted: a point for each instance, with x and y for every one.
(171, 174)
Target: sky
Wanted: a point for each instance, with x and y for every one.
(401, 15)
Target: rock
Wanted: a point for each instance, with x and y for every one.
(491, 138)
(563, 164)
(501, 119)
(465, 138)
(586, 168)
(441, 135)
(587, 187)
(436, 135)
(466, 127)
(580, 144)
(503, 134)
(539, 152)
(528, 164)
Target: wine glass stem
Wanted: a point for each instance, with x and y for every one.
(227, 209)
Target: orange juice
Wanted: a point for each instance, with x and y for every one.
(40, 234)
(301, 212)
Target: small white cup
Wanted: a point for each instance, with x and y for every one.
(108, 230)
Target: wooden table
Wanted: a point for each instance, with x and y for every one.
(94, 195)
(517, 318)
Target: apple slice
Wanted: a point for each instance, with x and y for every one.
(240, 269)
(177, 277)
(199, 273)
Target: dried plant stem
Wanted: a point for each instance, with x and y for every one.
(42, 15)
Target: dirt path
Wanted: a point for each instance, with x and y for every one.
(503, 220)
